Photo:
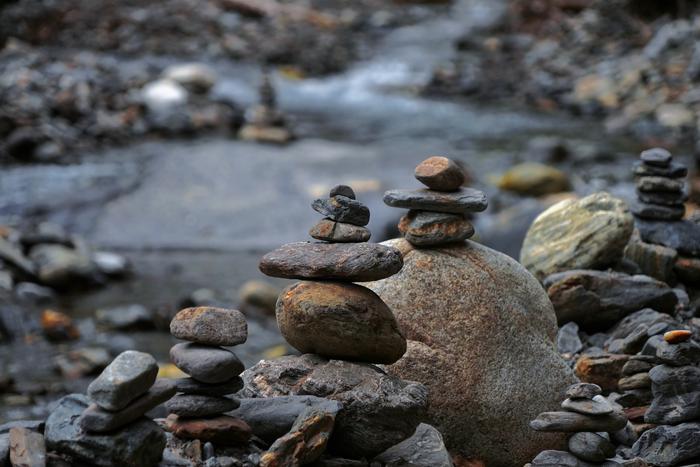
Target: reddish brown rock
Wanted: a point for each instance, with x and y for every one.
(341, 321)
(603, 370)
(677, 336)
(440, 173)
(339, 232)
(222, 430)
(425, 228)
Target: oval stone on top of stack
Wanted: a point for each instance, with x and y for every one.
(440, 173)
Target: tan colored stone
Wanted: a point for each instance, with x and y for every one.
(439, 173)
(677, 336)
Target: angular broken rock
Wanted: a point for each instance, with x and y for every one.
(597, 405)
(573, 422)
(129, 375)
(342, 209)
(462, 201)
(354, 262)
(657, 157)
(424, 448)
(659, 184)
(583, 391)
(210, 326)
(439, 173)
(27, 448)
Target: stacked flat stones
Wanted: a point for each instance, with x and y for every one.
(124, 392)
(213, 373)
(591, 419)
(436, 215)
(660, 186)
(635, 385)
(326, 314)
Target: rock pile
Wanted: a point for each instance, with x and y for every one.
(591, 419)
(196, 412)
(264, 122)
(660, 187)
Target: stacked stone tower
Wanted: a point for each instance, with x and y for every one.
(436, 215)
(660, 186)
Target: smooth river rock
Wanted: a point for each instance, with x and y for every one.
(339, 232)
(481, 336)
(206, 364)
(129, 375)
(425, 228)
(461, 201)
(590, 233)
(439, 173)
(339, 320)
(342, 209)
(210, 326)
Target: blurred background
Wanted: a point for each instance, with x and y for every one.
(152, 151)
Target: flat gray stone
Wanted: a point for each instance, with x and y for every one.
(210, 326)
(574, 422)
(598, 405)
(681, 354)
(461, 201)
(205, 363)
(667, 446)
(129, 375)
(342, 209)
(657, 157)
(192, 405)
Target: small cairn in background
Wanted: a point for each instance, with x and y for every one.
(264, 122)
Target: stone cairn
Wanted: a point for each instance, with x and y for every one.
(196, 412)
(675, 408)
(660, 186)
(590, 418)
(436, 215)
(264, 122)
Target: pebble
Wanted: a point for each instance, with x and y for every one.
(439, 173)
(683, 353)
(425, 228)
(591, 447)
(674, 170)
(657, 157)
(574, 422)
(677, 336)
(192, 386)
(356, 262)
(342, 209)
(206, 364)
(660, 184)
(658, 211)
(97, 420)
(342, 190)
(222, 430)
(339, 232)
(583, 391)
(194, 405)
(27, 448)
(129, 375)
(462, 201)
(637, 381)
(339, 321)
(598, 405)
(210, 326)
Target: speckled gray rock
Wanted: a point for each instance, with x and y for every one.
(461, 201)
(510, 364)
(139, 444)
(129, 375)
(193, 405)
(658, 211)
(583, 391)
(681, 354)
(589, 233)
(210, 326)
(424, 449)
(342, 209)
(439, 173)
(573, 422)
(206, 364)
(591, 447)
(668, 446)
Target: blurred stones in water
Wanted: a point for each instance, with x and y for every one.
(534, 179)
(264, 122)
(58, 326)
(259, 294)
(127, 317)
(196, 77)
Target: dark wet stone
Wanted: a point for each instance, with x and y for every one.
(342, 190)
(657, 157)
(206, 364)
(139, 444)
(667, 446)
(660, 184)
(378, 412)
(425, 228)
(634, 398)
(425, 448)
(573, 422)
(676, 394)
(683, 235)
(599, 299)
(192, 386)
(339, 320)
(210, 326)
(658, 211)
(636, 366)
(193, 405)
(272, 417)
(461, 201)
(674, 170)
(568, 341)
(631, 344)
(583, 391)
(637, 381)
(27, 448)
(655, 321)
(342, 209)
(591, 447)
(551, 458)
(681, 354)
(354, 262)
(439, 173)
(97, 420)
(339, 232)
(651, 346)
(222, 430)
(129, 375)
(34, 425)
(662, 198)
(598, 405)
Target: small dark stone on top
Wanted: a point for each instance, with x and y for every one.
(342, 190)
(658, 157)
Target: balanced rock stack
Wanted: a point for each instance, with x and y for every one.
(196, 411)
(264, 122)
(326, 314)
(675, 408)
(660, 186)
(635, 384)
(436, 215)
(108, 428)
(591, 419)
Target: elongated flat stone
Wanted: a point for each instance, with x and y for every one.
(129, 375)
(222, 430)
(206, 364)
(339, 232)
(210, 326)
(342, 209)
(97, 420)
(191, 405)
(354, 262)
(463, 200)
(598, 405)
(674, 170)
(660, 184)
(192, 386)
(574, 422)
(658, 211)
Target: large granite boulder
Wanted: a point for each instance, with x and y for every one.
(590, 233)
(378, 411)
(481, 336)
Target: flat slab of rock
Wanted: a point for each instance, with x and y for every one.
(425, 448)
(339, 232)
(206, 364)
(439, 173)
(425, 228)
(139, 444)
(683, 235)
(210, 326)
(222, 430)
(598, 405)
(97, 420)
(387, 408)
(590, 233)
(356, 262)
(341, 321)
(27, 448)
(674, 170)
(129, 375)
(342, 209)
(658, 211)
(461, 201)
(192, 386)
(574, 422)
(667, 446)
(195, 406)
